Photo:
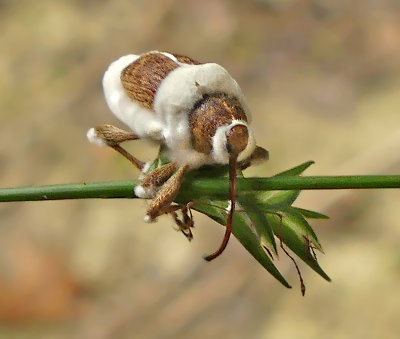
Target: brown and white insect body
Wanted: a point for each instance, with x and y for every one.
(197, 112)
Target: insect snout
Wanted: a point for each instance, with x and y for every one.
(237, 139)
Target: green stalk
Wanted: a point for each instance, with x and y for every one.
(199, 187)
(216, 186)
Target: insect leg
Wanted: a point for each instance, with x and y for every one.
(259, 154)
(166, 195)
(109, 135)
(186, 223)
(154, 180)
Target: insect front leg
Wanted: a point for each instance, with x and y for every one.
(166, 195)
(259, 154)
(109, 135)
(152, 182)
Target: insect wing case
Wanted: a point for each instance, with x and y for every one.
(140, 119)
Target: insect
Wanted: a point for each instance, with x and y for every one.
(195, 111)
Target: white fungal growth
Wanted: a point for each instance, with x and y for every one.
(174, 99)
(147, 219)
(145, 169)
(140, 120)
(144, 193)
(229, 207)
(94, 138)
(220, 153)
(168, 55)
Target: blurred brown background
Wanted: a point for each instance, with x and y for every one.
(322, 79)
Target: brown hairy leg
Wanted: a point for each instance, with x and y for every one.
(114, 136)
(166, 194)
(154, 180)
(259, 154)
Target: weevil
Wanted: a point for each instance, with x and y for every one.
(195, 111)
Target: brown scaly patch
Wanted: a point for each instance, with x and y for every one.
(142, 78)
(185, 59)
(165, 196)
(159, 176)
(208, 114)
(113, 135)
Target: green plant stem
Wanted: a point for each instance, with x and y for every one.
(201, 187)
